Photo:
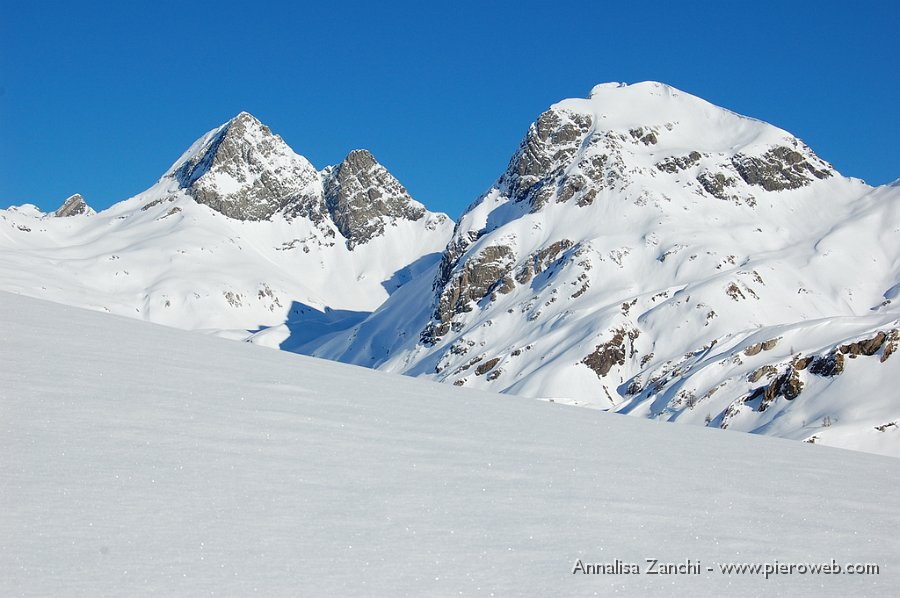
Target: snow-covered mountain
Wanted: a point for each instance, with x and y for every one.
(650, 253)
(139, 460)
(644, 252)
(241, 233)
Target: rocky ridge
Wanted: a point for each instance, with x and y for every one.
(248, 173)
(241, 234)
(73, 206)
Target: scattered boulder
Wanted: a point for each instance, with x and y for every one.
(716, 183)
(787, 385)
(611, 353)
(486, 366)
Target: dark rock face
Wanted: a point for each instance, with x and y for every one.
(549, 146)
(779, 168)
(716, 183)
(248, 173)
(486, 366)
(763, 346)
(828, 365)
(73, 206)
(481, 275)
(540, 260)
(764, 371)
(646, 136)
(362, 196)
(890, 345)
(611, 353)
(675, 164)
(787, 385)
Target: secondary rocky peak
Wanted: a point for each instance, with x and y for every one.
(73, 206)
(362, 197)
(246, 172)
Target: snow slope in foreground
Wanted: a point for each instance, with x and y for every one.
(142, 460)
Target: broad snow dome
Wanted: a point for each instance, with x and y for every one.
(681, 119)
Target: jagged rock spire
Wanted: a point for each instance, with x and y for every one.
(73, 206)
(362, 196)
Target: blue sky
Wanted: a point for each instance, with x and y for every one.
(101, 97)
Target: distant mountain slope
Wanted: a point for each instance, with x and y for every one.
(239, 234)
(640, 245)
(139, 460)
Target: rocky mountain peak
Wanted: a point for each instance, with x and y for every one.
(634, 150)
(362, 198)
(246, 172)
(73, 206)
(624, 136)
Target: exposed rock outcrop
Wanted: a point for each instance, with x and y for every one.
(73, 206)
(479, 277)
(781, 168)
(246, 172)
(548, 147)
(362, 197)
(612, 352)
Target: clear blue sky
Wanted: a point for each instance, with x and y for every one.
(101, 97)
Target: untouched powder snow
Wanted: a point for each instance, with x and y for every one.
(141, 460)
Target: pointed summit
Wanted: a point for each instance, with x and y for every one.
(246, 172)
(362, 197)
(73, 206)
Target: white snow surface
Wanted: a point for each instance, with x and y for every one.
(140, 460)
